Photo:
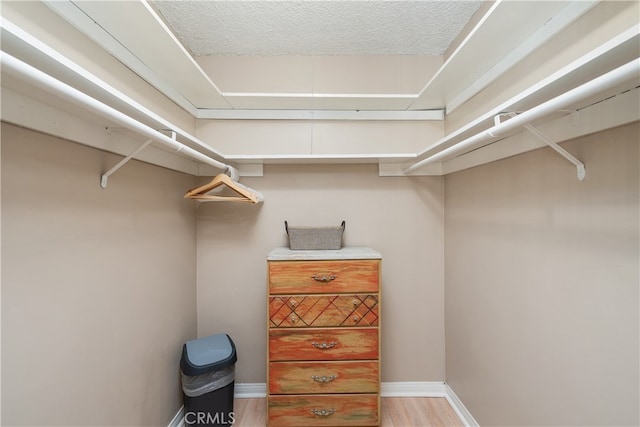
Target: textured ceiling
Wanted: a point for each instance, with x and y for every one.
(338, 27)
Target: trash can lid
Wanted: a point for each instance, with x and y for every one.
(207, 354)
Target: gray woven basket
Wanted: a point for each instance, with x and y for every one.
(314, 238)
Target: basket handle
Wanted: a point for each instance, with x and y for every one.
(286, 226)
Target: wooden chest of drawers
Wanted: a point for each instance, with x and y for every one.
(324, 339)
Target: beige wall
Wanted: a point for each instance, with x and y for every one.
(390, 74)
(542, 276)
(98, 286)
(400, 217)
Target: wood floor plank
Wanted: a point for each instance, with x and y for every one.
(395, 412)
(250, 412)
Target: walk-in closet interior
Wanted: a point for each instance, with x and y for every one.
(488, 152)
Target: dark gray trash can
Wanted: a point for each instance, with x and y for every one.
(208, 378)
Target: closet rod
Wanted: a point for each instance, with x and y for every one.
(44, 81)
(17, 39)
(599, 84)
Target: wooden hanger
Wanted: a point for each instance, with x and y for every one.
(244, 194)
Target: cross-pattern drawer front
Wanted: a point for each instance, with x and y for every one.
(323, 410)
(323, 344)
(323, 377)
(319, 277)
(303, 311)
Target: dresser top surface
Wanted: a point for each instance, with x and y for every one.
(350, 252)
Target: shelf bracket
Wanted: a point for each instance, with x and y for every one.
(575, 115)
(497, 119)
(105, 176)
(564, 153)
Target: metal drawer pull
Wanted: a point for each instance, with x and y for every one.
(324, 345)
(323, 412)
(323, 379)
(324, 277)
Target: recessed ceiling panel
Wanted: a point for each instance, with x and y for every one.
(267, 28)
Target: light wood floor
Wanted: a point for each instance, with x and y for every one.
(395, 412)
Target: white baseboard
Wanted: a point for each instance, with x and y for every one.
(460, 409)
(413, 389)
(248, 390)
(178, 419)
(387, 389)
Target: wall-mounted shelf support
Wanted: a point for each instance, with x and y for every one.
(40, 80)
(105, 176)
(623, 74)
(564, 153)
(574, 114)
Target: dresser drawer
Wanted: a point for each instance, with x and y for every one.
(316, 277)
(323, 344)
(302, 311)
(323, 377)
(323, 410)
